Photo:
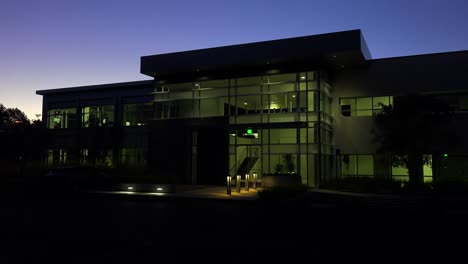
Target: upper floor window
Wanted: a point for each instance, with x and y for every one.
(364, 106)
(97, 116)
(62, 118)
(137, 114)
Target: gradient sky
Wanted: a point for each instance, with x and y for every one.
(48, 44)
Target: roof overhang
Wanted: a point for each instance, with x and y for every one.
(331, 51)
(80, 89)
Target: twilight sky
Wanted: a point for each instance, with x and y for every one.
(48, 44)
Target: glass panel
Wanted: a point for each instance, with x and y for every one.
(214, 84)
(181, 109)
(278, 88)
(283, 102)
(364, 106)
(248, 105)
(303, 135)
(137, 114)
(399, 171)
(400, 178)
(303, 76)
(311, 101)
(349, 165)
(214, 92)
(213, 107)
(463, 102)
(181, 95)
(256, 80)
(365, 164)
(379, 101)
(348, 106)
(283, 136)
(289, 77)
(178, 87)
(248, 90)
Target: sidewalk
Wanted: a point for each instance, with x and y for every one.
(194, 191)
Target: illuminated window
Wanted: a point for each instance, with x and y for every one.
(57, 157)
(137, 114)
(364, 106)
(97, 157)
(62, 118)
(357, 165)
(401, 173)
(98, 116)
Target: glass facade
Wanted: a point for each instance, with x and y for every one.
(281, 122)
(298, 102)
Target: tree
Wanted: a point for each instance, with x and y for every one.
(10, 117)
(413, 128)
(21, 141)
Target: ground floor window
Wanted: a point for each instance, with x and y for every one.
(133, 157)
(99, 158)
(401, 173)
(57, 157)
(357, 165)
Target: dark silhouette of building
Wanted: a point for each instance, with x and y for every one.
(245, 108)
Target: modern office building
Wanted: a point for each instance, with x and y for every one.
(302, 105)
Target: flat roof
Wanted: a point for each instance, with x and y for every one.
(95, 87)
(334, 50)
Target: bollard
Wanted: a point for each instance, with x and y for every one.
(247, 182)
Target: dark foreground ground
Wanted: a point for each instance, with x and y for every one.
(316, 228)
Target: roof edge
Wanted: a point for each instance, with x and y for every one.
(94, 87)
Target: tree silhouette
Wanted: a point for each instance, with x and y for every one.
(21, 141)
(413, 128)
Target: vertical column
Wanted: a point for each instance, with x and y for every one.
(319, 177)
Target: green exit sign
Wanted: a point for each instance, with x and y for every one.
(249, 131)
(445, 155)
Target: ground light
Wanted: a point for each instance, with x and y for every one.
(247, 182)
(254, 179)
(238, 180)
(228, 182)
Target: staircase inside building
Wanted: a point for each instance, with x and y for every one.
(249, 157)
(246, 166)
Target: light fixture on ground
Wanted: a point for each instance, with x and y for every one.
(228, 182)
(238, 180)
(254, 180)
(247, 182)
